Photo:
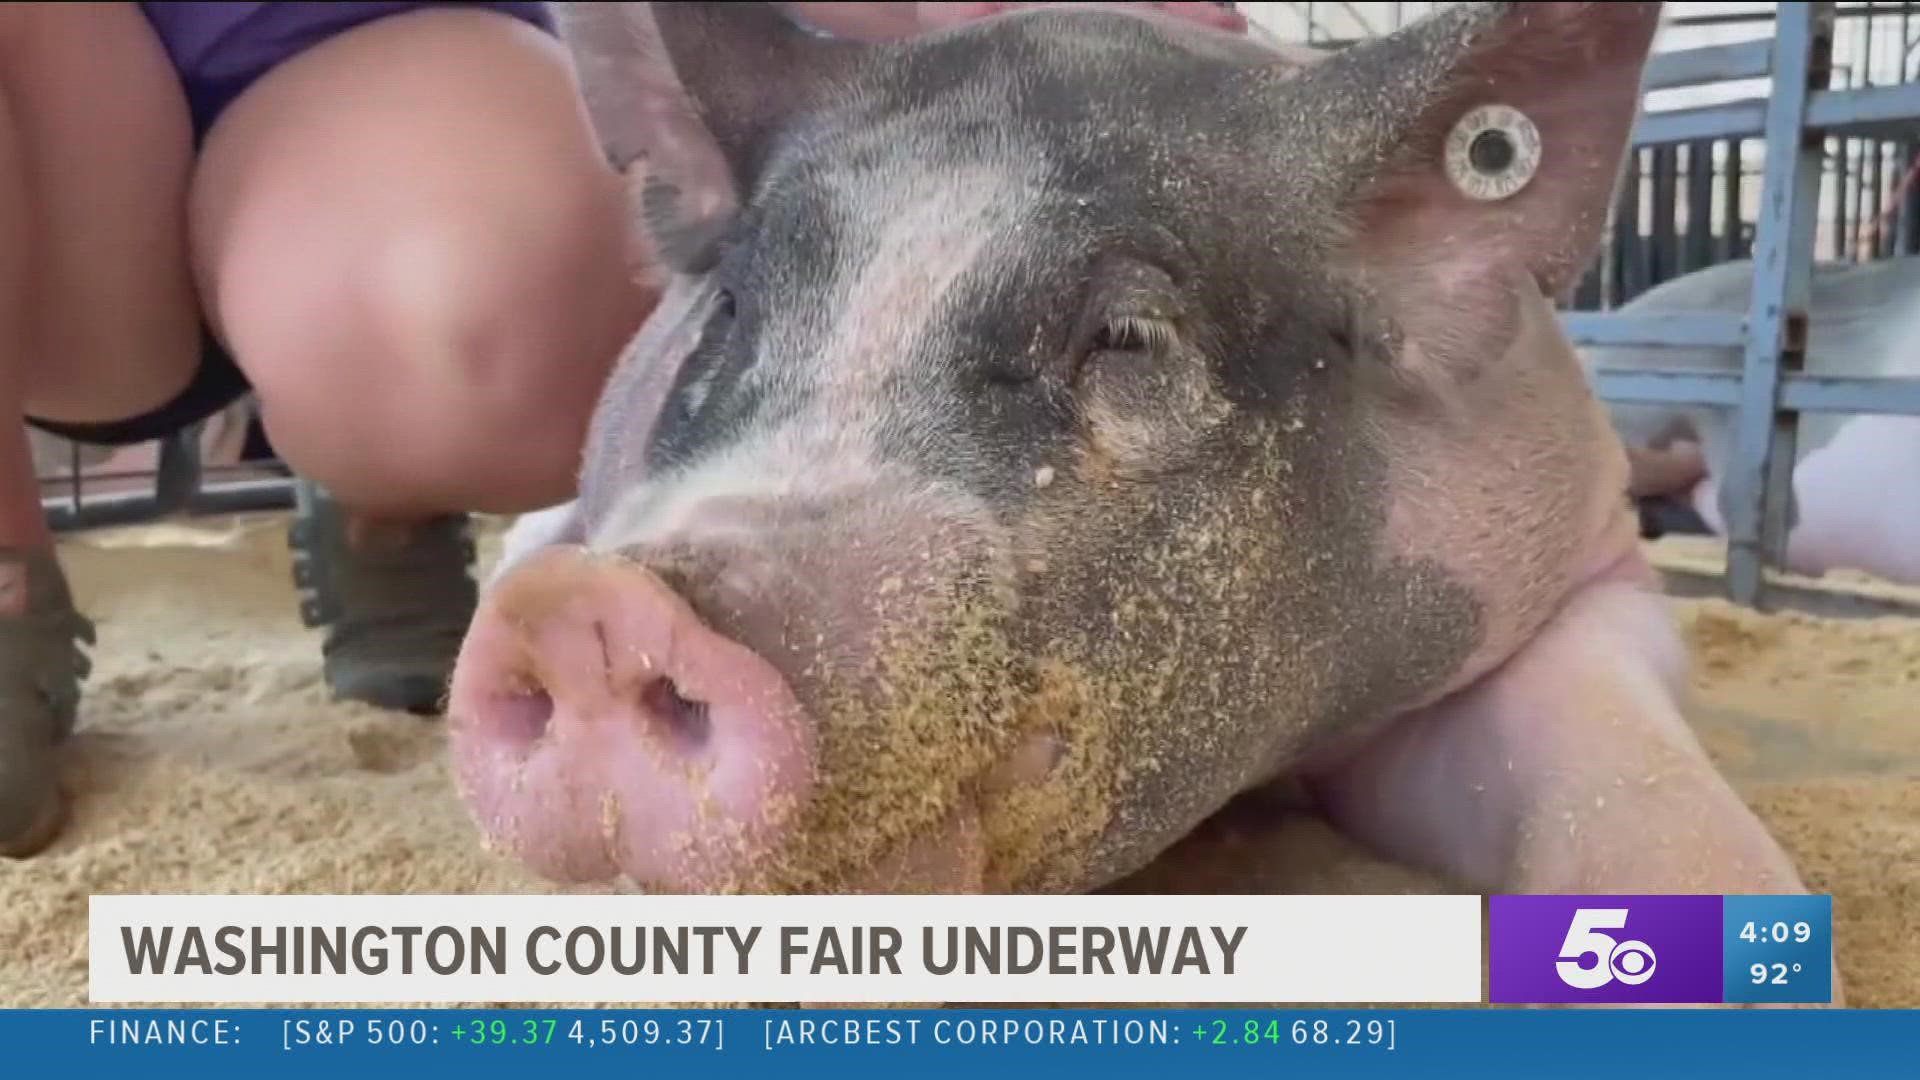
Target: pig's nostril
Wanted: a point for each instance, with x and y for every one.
(523, 716)
(688, 720)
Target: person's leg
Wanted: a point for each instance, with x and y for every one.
(97, 322)
(413, 245)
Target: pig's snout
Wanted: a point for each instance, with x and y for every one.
(600, 727)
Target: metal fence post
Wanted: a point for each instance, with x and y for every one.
(1759, 481)
(179, 474)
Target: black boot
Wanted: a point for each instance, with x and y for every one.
(41, 668)
(395, 603)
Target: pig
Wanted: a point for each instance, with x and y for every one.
(1068, 421)
(1854, 505)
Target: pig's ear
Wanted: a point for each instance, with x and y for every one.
(649, 131)
(632, 96)
(1482, 143)
(748, 69)
(683, 96)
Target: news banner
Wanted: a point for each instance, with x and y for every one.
(1129, 985)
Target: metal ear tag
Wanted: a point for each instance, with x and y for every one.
(1492, 152)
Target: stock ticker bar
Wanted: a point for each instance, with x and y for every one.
(1654, 951)
(801, 1043)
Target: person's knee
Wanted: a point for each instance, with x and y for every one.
(394, 462)
(426, 277)
(447, 361)
(498, 307)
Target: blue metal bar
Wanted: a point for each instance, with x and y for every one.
(1824, 393)
(1666, 388)
(1798, 392)
(1674, 330)
(1737, 17)
(1764, 436)
(1881, 111)
(1713, 63)
(1732, 120)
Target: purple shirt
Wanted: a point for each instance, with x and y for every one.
(219, 49)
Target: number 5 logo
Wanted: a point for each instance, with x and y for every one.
(1629, 961)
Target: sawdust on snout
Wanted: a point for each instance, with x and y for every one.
(209, 760)
(906, 735)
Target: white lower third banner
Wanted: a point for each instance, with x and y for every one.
(678, 950)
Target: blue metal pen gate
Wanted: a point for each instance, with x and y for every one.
(1802, 114)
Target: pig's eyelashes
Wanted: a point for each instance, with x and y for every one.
(1121, 336)
(1125, 336)
(1133, 334)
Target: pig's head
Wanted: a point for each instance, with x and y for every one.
(1056, 425)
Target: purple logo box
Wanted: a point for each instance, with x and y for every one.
(1559, 950)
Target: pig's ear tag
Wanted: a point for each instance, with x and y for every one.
(1493, 152)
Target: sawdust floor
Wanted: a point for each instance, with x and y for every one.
(209, 760)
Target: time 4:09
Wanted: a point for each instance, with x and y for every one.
(1778, 933)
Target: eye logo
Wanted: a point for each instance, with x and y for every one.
(1590, 959)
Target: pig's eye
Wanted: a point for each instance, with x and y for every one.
(1123, 337)
(719, 320)
(1131, 334)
